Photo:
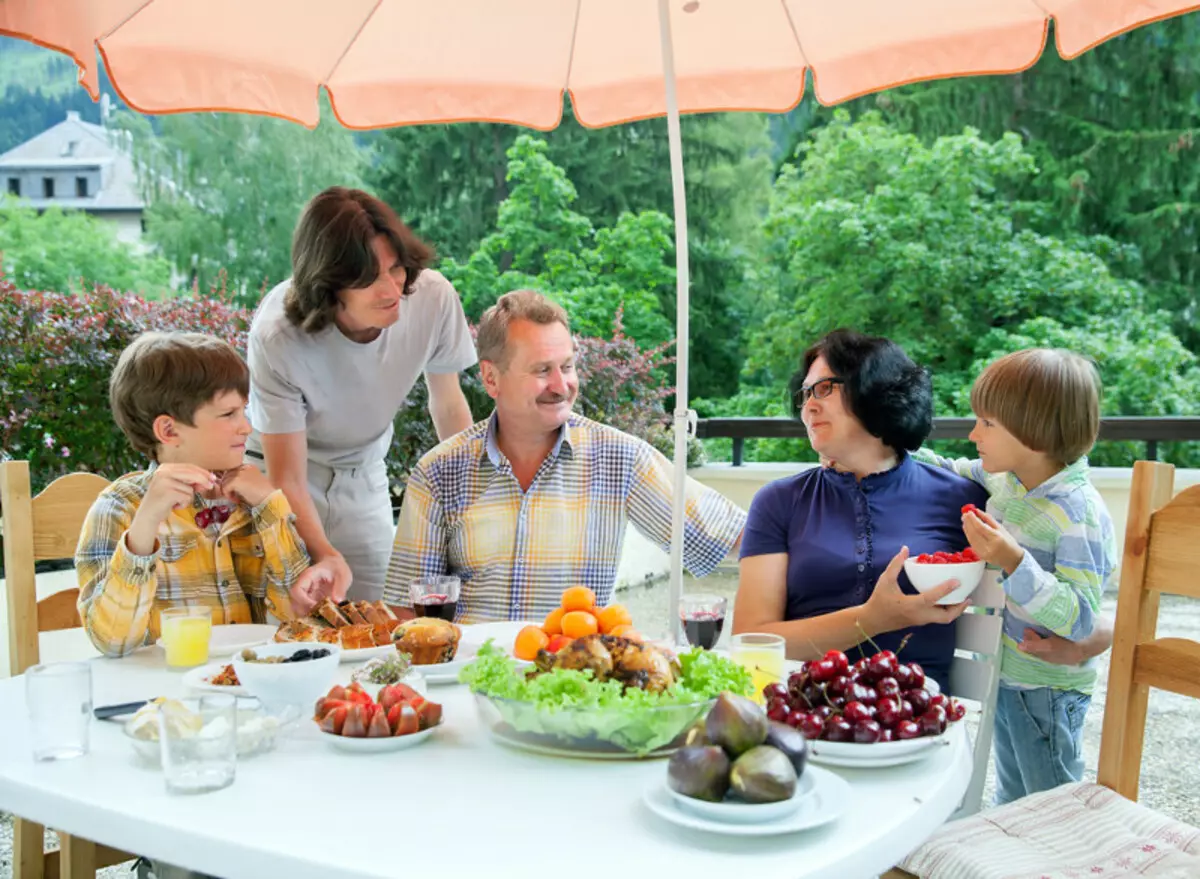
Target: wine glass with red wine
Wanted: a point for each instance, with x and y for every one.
(435, 596)
(703, 617)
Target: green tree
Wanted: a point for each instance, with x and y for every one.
(1116, 133)
(542, 243)
(66, 251)
(934, 246)
(448, 181)
(225, 190)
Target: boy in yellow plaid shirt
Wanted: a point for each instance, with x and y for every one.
(199, 527)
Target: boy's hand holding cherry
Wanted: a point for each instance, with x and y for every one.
(990, 540)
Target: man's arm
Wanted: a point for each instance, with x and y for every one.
(447, 404)
(287, 467)
(420, 546)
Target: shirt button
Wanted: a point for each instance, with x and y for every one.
(862, 567)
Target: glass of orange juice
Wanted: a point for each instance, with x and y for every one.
(185, 634)
(762, 655)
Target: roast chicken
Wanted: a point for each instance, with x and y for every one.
(611, 657)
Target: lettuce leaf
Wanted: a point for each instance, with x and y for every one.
(574, 708)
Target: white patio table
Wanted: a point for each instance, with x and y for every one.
(459, 805)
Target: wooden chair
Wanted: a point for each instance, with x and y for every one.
(1162, 554)
(975, 676)
(39, 529)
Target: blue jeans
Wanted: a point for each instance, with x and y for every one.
(1038, 740)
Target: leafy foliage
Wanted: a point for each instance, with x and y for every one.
(936, 247)
(224, 191)
(57, 250)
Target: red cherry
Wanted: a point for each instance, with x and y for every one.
(882, 665)
(969, 508)
(907, 729)
(863, 693)
(811, 726)
(887, 735)
(779, 711)
(918, 676)
(838, 729)
(933, 722)
(775, 691)
(793, 718)
(887, 711)
(867, 732)
(956, 711)
(839, 686)
(822, 711)
(919, 699)
(937, 699)
(856, 711)
(839, 659)
(823, 670)
(887, 686)
(969, 555)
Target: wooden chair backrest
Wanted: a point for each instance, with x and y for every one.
(1162, 554)
(40, 529)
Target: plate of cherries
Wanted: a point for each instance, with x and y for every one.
(877, 711)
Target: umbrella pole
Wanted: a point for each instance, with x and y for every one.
(681, 322)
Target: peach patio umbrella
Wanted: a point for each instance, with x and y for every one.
(399, 62)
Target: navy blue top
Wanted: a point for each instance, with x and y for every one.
(840, 533)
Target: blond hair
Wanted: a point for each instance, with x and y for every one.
(492, 339)
(171, 374)
(1048, 398)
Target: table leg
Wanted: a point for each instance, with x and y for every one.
(78, 860)
(29, 850)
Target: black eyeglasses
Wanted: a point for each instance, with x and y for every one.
(820, 389)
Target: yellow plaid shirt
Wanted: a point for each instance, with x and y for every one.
(242, 570)
(515, 551)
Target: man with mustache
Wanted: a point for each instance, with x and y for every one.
(536, 498)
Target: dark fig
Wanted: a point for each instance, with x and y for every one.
(763, 775)
(736, 724)
(701, 773)
(791, 742)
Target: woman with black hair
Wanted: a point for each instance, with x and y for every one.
(823, 551)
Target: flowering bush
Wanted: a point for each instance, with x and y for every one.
(57, 352)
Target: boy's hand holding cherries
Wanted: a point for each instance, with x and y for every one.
(989, 540)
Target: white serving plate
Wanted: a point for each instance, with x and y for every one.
(733, 812)
(375, 746)
(197, 679)
(829, 797)
(851, 755)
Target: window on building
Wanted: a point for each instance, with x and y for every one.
(81, 187)
(14, 185)
(47, 187)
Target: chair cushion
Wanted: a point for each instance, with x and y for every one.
(1076, 831)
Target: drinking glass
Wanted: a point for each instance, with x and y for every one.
(435, 596)
(703, 617)
(59, 698)
(196, 761)
(762, 655)
(185, 632)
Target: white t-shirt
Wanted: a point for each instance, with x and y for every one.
(345, 394)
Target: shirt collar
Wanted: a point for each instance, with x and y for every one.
(904, 464)
(499, 461)
(1068, 478)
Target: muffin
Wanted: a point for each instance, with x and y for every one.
(427, 640)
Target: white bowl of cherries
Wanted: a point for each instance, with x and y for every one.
(876, 709)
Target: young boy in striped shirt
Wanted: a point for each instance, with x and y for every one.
(1048, 531)
(199, 527)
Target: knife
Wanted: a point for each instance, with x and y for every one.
(111, 712)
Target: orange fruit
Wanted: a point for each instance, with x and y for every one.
(558, 642)
(529, 641)
(578, 623)
(627, 631)
(578, 598)
(553, 624)
(612, 616)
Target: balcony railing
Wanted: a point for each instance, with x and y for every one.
(1151, 431)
